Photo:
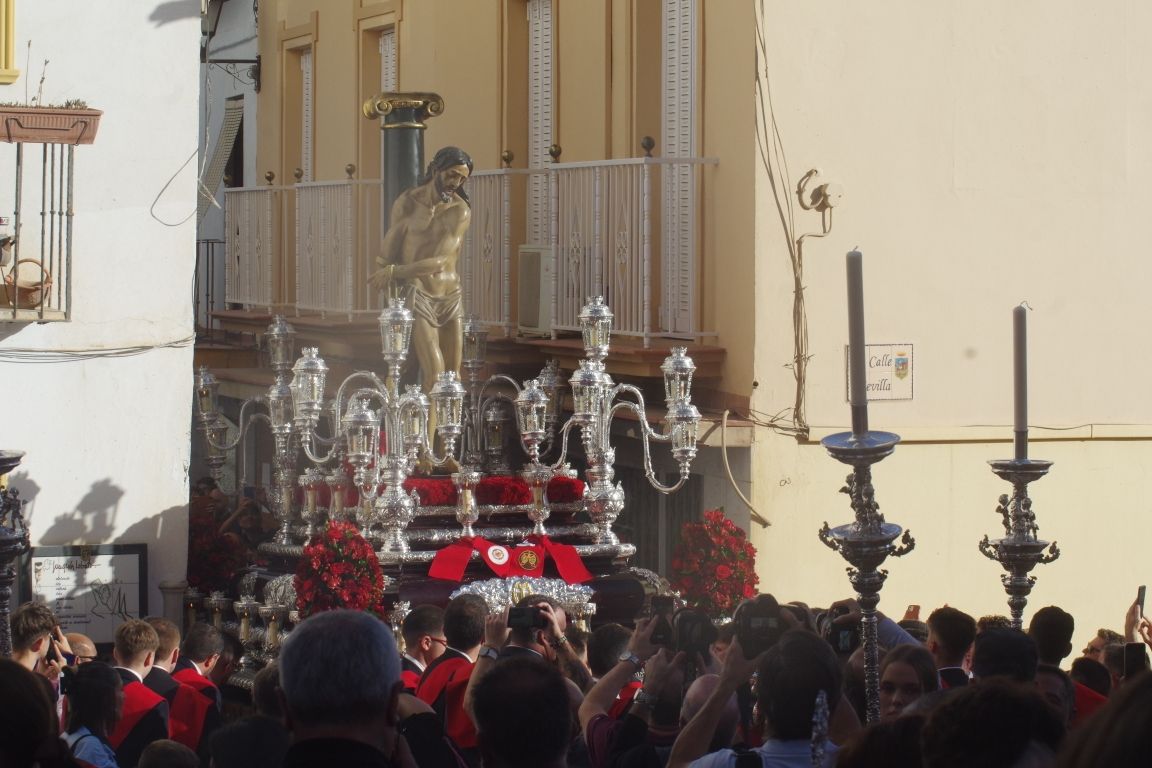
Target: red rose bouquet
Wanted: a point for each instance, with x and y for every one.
(338, 569)
(713, 566)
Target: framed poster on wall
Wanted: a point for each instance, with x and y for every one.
(91, 589)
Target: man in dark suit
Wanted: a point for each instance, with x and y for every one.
(159, 677)
(189, 711)
(144, 717)
(950, 634)
(1052, 629)
(198, 716)
(340, 676)
(199, 656)
(424, 642)
(445, 680)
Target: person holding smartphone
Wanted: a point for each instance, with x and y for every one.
(38, 643)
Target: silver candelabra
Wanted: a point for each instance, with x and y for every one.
(277, 405)
(596, 400)
(376, 408)
(484, 409)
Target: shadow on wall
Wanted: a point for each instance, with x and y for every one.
(174, 10)
(92, 522)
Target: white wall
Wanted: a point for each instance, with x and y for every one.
(990, 153)
(107, 436)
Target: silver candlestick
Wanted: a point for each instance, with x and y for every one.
(867, 542)
(467, 513)
(1020, 550)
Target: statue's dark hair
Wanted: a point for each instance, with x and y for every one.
(446, 158)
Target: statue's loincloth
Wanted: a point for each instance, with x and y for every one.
(437, 311)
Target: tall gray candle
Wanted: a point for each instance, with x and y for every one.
(857, 373)
(1020, 379)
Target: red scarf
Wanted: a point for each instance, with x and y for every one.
(139, 700)
(524, 560)
(186, 718)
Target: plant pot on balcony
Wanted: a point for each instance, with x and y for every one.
(48, 125)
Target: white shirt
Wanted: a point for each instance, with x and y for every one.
(135, 674)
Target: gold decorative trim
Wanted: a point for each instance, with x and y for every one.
(385, 103)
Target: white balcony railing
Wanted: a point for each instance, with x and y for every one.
(336, 244)
(486, 258)
(624, 229)
(600, 231)
(252, 237)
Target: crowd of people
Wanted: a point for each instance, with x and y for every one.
(780, 685)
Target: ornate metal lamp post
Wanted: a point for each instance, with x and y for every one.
(13, 543)
(868, 541)
(484, 407)
(595, 404)
(277, 402)
(1020, 550)
(403, 419)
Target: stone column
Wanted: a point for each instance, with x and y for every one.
(173, 595)
(402, 117)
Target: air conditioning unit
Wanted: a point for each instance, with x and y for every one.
(534, 307)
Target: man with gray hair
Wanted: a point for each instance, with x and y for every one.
(340, 675)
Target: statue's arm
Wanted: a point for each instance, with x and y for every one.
(390, 249)
(388, 258)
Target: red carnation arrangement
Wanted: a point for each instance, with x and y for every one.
(433, 491)
(504, 490)
(565, 490)
(338, 569)
(713, 566)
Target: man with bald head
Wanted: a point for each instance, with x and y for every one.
(82, 647)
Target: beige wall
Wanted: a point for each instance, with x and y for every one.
(989, 154)
(729, 280)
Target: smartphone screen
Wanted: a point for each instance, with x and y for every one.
(662, 604)
(1140, 597)
(1135, 658)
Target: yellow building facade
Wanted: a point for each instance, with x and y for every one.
(983, 156)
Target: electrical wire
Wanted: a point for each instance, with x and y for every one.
(773, 159)
(38, 356)
(763, 521)
(200, 188)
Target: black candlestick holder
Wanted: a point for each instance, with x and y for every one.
(867, 542)
(13, 543)
(1021, 549)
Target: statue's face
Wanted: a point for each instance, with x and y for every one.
(449, 180)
